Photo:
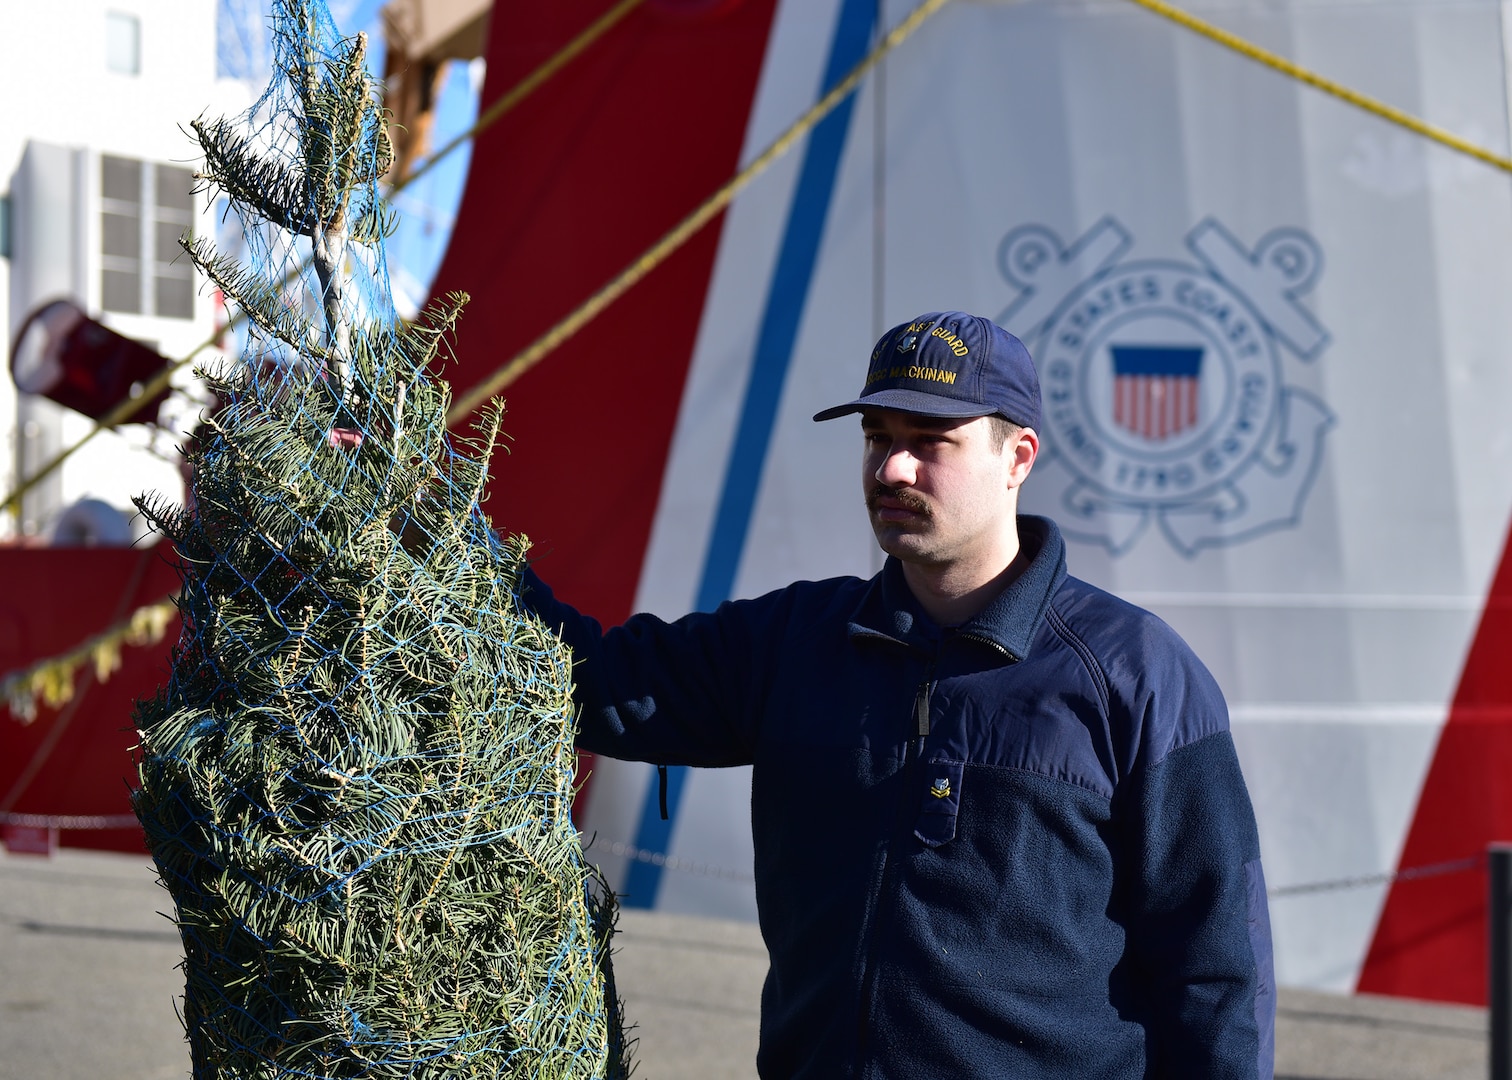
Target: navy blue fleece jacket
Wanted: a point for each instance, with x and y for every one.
(1021, 847)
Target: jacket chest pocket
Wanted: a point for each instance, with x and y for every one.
(939, 800)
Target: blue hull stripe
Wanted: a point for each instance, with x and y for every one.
(773, 356)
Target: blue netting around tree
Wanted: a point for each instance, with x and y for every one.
(356, 784)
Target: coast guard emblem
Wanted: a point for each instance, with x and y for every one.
(1164, 396)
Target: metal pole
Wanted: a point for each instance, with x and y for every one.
(1499, 908)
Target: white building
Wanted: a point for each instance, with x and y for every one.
(97, 173)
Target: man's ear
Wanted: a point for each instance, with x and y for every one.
(1024, 447)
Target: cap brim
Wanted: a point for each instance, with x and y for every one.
(913, 401)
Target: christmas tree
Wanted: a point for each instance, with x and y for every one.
(356, 784)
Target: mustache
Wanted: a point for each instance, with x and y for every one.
(901, 496)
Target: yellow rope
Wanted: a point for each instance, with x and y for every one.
(530, 83)
(1343, 93)
(683, 230)
(507, 101)
(565, 329)
(52, 680)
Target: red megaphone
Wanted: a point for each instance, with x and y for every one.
(64, 355)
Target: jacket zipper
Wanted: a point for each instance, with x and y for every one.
(984, 640)
(912, 752)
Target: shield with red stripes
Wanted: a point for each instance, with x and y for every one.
(1156, 389)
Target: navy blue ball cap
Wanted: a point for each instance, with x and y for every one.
(949, 363)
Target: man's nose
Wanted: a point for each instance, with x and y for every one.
(898, 468)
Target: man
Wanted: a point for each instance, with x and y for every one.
(1000, 828)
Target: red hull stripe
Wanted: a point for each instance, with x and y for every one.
(562, 194)
(1430, 941)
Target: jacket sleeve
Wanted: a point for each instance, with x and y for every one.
(1199, 929)
(678, 693)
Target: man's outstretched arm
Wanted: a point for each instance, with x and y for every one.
(672, 693)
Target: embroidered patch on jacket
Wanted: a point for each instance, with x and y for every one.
(940, 802)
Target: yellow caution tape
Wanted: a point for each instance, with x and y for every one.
(680, 233)
(530, 83)
(591, 307)
(507, 101)
(1328, 86)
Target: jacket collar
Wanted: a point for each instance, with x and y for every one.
(1009, 623)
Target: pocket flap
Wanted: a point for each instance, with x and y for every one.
(941, 802)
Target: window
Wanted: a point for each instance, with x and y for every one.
(172, 272)
(120, 234)
(144, 209)
(123, 43)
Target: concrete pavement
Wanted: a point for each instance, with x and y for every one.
(89, 983)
